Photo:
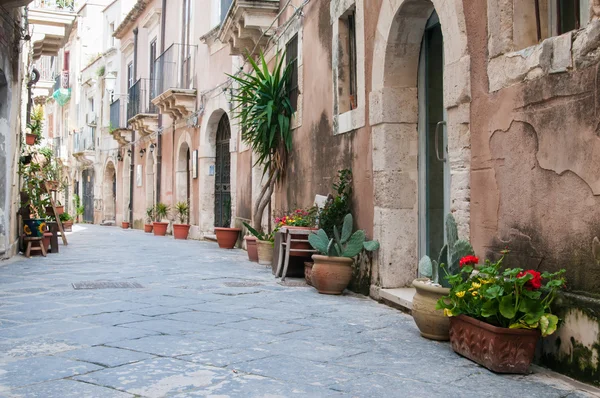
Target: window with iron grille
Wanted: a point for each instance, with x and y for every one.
(292, 59)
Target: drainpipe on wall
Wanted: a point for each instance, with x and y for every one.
(132, 161)
(163, 22)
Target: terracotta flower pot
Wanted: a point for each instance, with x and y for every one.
(227, 237)
(252, 248)
(308, 266)
(501, 350)
(300, 245)
(265, 252)
(59, 210)
(125, 224)
(180, 231)
(331, 275)
(160, 228)
(46, 241)
(148, 228)
(431, 322)
(30, 139)
(68, 225)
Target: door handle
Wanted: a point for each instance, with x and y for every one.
(437, 141)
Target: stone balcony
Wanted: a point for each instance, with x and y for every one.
(50, 28)
(248, 25)
(178, 103)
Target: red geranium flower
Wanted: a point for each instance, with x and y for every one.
(468, 260)
(534, 283)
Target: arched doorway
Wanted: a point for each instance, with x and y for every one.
(183, 173)
(87, 199)
(223, 174)
(109, 192)
(415, 118)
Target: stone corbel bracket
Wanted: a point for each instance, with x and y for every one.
(178, 103)
(144, 123)
(122, 136)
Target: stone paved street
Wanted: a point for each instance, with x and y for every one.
(208, 322)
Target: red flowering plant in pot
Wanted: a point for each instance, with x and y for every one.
(497, 316)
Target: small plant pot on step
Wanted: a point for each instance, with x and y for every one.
(59, 210)
(125, 224)
(431, 322)
(251, 248)
(331, 275)
(148, 228)
(30, 139)
(46, 241)
(501, 350)
(160, 228)
(227, 237)
(181, 231)
(265, 251)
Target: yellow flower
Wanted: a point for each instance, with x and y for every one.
(486, 281)
(27, 229)
(460, 294)
(476, 285)
(475, 293)
(42, 228)
(447, 312)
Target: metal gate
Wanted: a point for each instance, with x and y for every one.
(88, 195)
(223, 175)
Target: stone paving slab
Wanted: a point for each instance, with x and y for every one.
(209, 323)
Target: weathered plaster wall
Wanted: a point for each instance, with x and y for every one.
(534, 172)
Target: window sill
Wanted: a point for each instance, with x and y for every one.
(349, 121)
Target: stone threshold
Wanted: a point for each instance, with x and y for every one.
(210, 237)
(400, 298)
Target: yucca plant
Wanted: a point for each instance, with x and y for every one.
(161, 211)
(264, 111)
(150, 214)
(183, 212)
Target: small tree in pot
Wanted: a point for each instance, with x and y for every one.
(332, 270)
(149, 218)
(431, 322)
(161, 211)
(181, 230)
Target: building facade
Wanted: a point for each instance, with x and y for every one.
(485, 109)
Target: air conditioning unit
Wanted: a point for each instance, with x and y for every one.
(90, 118)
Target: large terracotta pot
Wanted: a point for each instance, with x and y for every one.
(265, 251)
(34, 227)
(499, 349)
(331, 275)
(252, 248)
(148, 228)
(300, 245)
(160, 228)
(227, 237)
(431, 322)
(125, 224)
(180, 231)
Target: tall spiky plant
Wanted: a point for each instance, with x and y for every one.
(264, 111)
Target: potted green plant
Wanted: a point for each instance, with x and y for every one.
(298, 219)
(149, 218)
(434, 283)
(33, 199)
(264, 245)
(497, 315)
(332, 269)
(264, 114)
(338, 205)
(181, 230)
(67, 221)
(33, 133)
(161, 211)
(79, 208)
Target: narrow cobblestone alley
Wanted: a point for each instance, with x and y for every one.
(205, 322)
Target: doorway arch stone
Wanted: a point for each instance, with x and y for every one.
(394, 120)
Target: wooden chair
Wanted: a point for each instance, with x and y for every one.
(285, 251)
(34, 245)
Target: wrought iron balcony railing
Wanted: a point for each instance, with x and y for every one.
(85, 140)
(174, 68)
(139, 97)
(116, 111)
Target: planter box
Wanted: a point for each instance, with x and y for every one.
(501, 350)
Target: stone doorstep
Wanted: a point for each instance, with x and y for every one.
(210, 237)
(401, 297)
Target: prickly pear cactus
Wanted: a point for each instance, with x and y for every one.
(346, 244)
(426, 267)
(461, 248)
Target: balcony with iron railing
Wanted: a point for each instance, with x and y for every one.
(175, 93)
(118, 124)
(46, 66)
(50, 23)
(142, 114)
(84, 141)
(247, 24)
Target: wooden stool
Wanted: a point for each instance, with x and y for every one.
(35, 245)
